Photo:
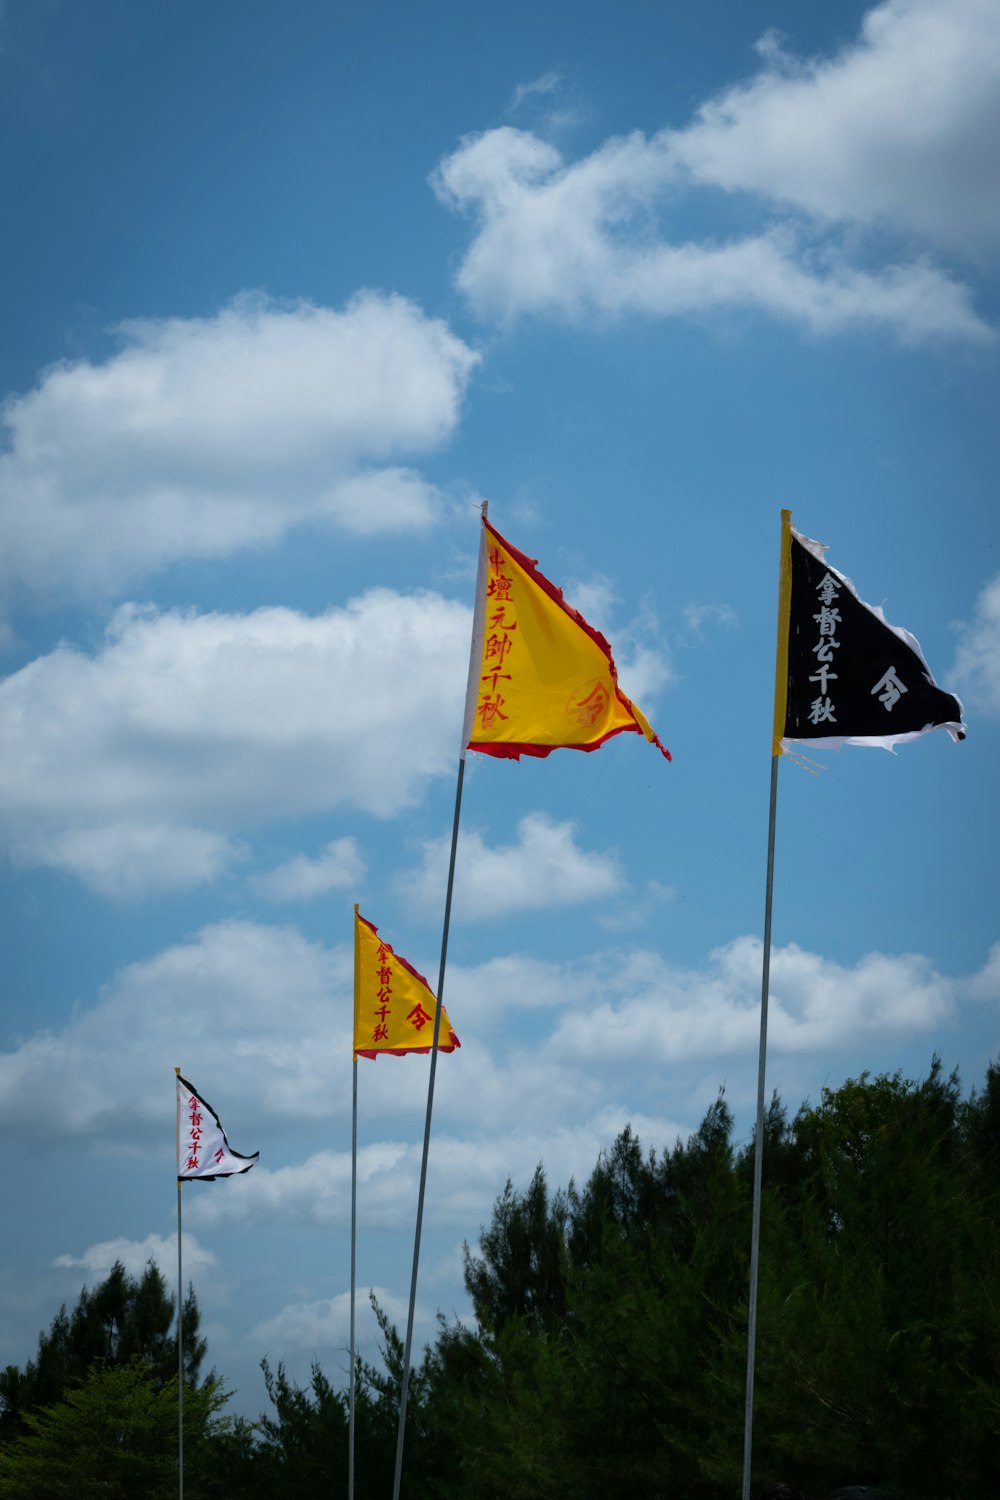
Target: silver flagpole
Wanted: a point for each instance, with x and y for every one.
(475, 657)
(758, 1156)
(780, 705)
(354, 1232)
(405, 1380)
(180, 1325)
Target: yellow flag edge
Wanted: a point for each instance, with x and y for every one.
(784, 618)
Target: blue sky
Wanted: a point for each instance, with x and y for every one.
(286, 294)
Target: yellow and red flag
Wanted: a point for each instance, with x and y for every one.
(393, 1007)
(540, 678)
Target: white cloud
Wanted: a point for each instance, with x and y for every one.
(698, 617)
(544, 868)
(202, 436)
(551, 1052)
(540, 87)
(465, 1172)
(977, 661)
(985, 985)
(132, 767)
(823, 145)
(651, 1011)
(898, 129)
(580, 241)
(122, 860)
(135, 1255)
(303, 879)
(218, 1005)
(326, 1323)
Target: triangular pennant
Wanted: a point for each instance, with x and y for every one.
(540, 677)
(849, 677)
(394, 1008)
(203, 1151)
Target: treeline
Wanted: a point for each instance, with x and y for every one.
(609, 1351)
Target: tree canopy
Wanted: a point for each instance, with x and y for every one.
(608, 1350)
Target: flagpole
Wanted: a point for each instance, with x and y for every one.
(780, 709)
(180, 1324)
(758, 1157)
(354, 1231)
(438, 1010)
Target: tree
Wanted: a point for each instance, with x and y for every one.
(122, 1319)
(113, 1436)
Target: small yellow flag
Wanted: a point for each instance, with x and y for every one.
(393, 1006)
(540, 678)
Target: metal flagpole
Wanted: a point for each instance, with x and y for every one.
(475, 649)
(758, 1157)
(780, 707)
(405, 1380)
(354, 1232)
(180, 1325)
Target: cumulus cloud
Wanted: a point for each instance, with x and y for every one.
(580, 240)
(220, 1001)
(339, 867)
(977, 661)
(652, 1011)
(820, 144)
(133, 766)
(123, 860)
(308, 1326)
(135, 1255)
(985, 985)
(547, 1047)
(544, 868)
(898, 129)
(202, 436)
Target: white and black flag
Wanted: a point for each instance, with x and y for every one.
(203, 1152)
(852, 678)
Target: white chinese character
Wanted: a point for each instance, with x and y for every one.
(824, 675)
(828, 620)
(821, 712)
(827, 590)
(824, 650)
(890, 689)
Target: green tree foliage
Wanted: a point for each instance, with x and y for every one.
(124, 1318)
(611, 1348)
(608, 1355)
(113, 1436)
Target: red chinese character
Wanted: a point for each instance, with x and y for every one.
(489, 711)
(384, 974)
(418, 1017)
(592, 705)
(495, 559)
(219, 1155)
(498, 646)
(380, 1034)
(496, 676)
(191, 1165)
(383, 1011)
(499, 588)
